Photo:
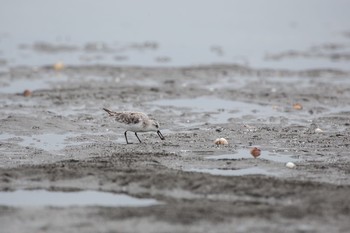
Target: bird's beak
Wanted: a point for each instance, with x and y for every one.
(160, 135)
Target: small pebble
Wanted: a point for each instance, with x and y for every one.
(290, 165)
(255, 152)
(297, 106)
(27, 93)
(318, 130)
(58, 66)
(221, 141)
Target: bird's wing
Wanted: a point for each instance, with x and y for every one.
(129, 117)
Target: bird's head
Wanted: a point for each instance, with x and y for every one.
(155, 127)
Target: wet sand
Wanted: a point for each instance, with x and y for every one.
(60, 139)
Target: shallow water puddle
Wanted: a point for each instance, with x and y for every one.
(245, 154)
(234, 172)
(20, 85)
(63, 199)
(209, 104)
(48, 142)
(221, 109)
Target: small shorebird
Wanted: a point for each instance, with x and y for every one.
(135, 122)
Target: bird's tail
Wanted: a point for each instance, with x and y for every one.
(111, 113)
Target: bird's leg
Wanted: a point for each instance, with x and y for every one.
(126, 138)
(137, 137)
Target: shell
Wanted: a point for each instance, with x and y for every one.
(27, 93)
(58, 66)
(318, 130)
(297, 106)
(255, 152)
(221, 141)
(290, 165)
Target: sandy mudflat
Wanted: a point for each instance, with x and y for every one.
(60, 139)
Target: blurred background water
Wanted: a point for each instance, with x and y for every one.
(292, 34)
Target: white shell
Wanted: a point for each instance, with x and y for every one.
(221, 141)
(290, 165)
(318, 130)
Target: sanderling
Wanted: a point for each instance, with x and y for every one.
(135, 122)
